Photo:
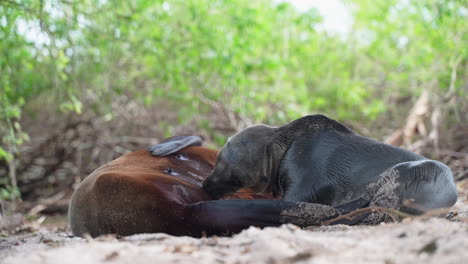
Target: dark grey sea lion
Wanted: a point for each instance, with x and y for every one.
(319, 160)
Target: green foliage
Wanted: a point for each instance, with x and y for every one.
(414, 45)
(9, 193)
(262, 60)
(11, 130)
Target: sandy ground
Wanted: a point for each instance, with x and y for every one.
(426, 240)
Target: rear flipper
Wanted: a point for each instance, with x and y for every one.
(426, 185)
(414, 187)
(225, 217)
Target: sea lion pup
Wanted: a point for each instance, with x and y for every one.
(319, 160)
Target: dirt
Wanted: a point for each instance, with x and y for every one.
(424, 239)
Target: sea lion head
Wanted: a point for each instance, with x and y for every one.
(243, 162)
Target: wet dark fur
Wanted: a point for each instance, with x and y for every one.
(319, 160)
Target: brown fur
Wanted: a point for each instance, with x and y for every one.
(136, 194)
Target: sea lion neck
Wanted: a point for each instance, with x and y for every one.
(304, 127)
(310, 125)
(280, 143)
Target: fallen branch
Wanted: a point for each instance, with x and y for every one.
(46, 203)
(390, 212)
(349, 216)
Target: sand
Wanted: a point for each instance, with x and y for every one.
(418, 240)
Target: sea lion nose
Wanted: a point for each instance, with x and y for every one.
(214, 187)
(210, 189)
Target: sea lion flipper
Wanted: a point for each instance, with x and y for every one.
(353, 205)
(351, 220)
(232, 216)
(174, 144)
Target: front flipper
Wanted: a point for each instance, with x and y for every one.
(354, 205)
(174, 144)
(226, 217)
(349, 215)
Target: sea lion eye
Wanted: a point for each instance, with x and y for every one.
(169, 171)
(179, 156)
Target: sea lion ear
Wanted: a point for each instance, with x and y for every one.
(174, 144)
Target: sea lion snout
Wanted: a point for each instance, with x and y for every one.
(217, 188)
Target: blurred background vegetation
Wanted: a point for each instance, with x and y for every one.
(83, 81)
